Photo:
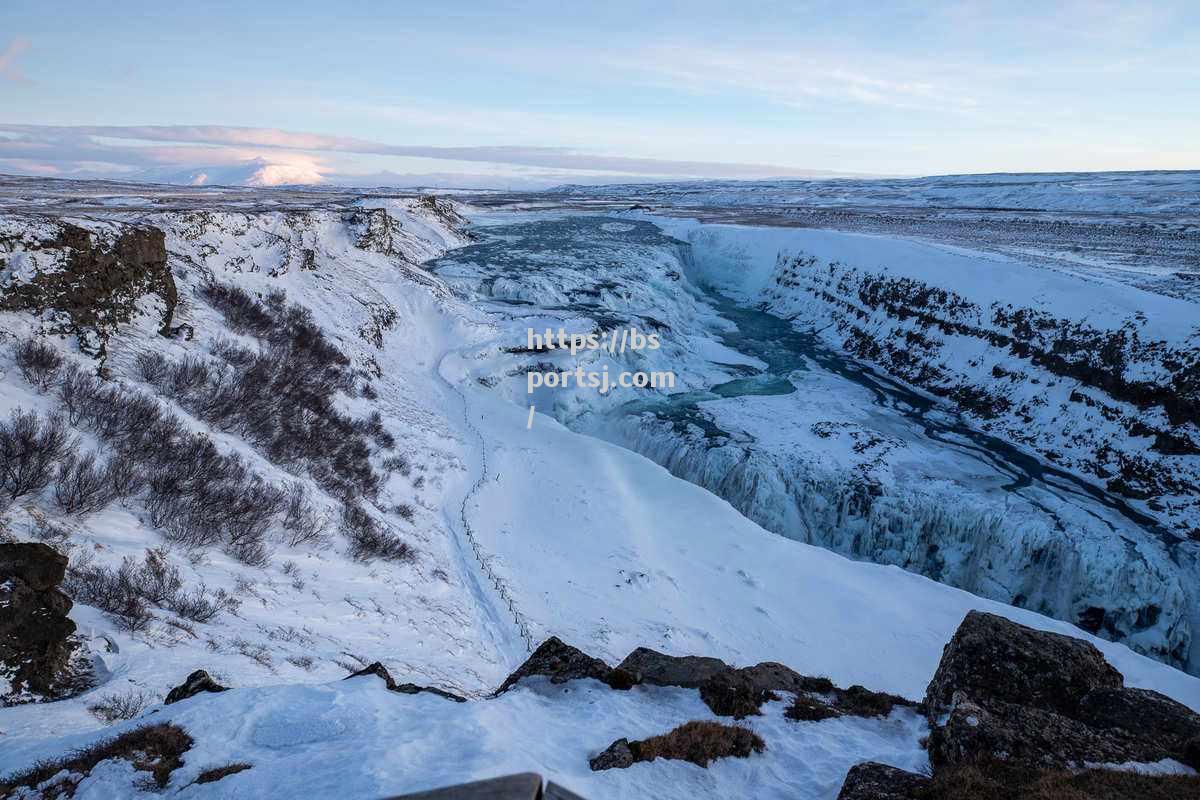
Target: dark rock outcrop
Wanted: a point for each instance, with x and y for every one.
(650, 666)
(36, 636)
(871, 780)
(98, 283)
(561, 662)
(1005, 691)
(380, 671)
(197, 683)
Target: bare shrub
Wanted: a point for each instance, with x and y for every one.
(196, 605)
(123, 477)
(405, 511)
(217, 773)
(30, 446)
(259, 653)
(156, 749)
(49, 532)
(121, 705)
(81, 486)
(397, 463)
(125, 591)
(38, 362)
(369, 538)
(75, 390)
(151, 366)
(303, 662)
(301, 522)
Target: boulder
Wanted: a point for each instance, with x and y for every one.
(992, 658)
(197, 683)
(871, 780)
(560, 662)
(36, 636)
(1150, 714)
(380, 671)
(1005, 692)
(617, 755)
(650, 666)
(1034, 736)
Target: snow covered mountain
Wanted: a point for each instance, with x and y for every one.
(314, 406)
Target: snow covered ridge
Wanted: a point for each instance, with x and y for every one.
(1091, 192)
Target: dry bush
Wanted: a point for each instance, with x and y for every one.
(700, 742)
(216, 773)
(121, 705)
(156, 749)
(38, 362)
(30, 447)
(81, 486)
(1000, 780)
(371, 539)
(806, 709)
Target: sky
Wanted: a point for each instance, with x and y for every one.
(527, 94)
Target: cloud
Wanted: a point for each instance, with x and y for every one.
(9, 69)
(299, 157)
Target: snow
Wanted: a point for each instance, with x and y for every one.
(354, 739)
(544, 529)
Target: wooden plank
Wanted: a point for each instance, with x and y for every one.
(556, 792)
(523, 786)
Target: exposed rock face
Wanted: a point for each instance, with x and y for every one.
(1013, 693)
(380, 671)
(650, 666)
(36, 644)
(92, 280)
(871, 780)
(560, 662)
(197, 683)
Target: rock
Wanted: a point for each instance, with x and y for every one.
(36, 636)
(196, 683)
(775, 677)
(99, 282)
(39, 566)
(380, 671)
(617, 755)
(871, 780)
(650, 666)
(560, 662)
(412, 688)
(1022, 696)
(1144, 712)
(991, 658)
(1191, 753)
(1030, 735)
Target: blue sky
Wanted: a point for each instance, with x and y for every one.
(541, 92)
